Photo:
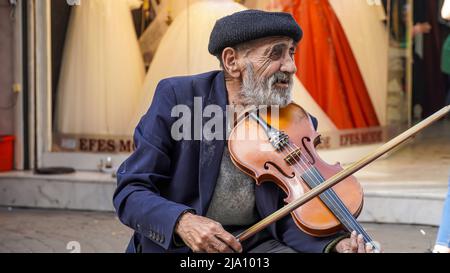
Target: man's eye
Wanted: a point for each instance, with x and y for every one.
(275, 54)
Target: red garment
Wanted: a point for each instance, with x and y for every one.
(327, 67)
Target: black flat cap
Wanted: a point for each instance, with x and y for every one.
(248, 25)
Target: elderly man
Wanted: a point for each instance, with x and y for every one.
(186, 195)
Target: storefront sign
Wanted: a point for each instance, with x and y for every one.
(356, 137)
(328, 140)
(97, 144)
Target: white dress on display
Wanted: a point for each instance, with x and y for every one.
(184, 51)
(368, 38)
(102, 70)
(445, 12)
(165, 11)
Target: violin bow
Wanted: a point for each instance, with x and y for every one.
(330, 182)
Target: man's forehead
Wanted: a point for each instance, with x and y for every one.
(277, 39)
(268, 42)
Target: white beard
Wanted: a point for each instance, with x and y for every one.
(262, 93)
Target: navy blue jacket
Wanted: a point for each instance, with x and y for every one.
(163, 177)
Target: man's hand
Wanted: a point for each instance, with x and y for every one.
(205, 235)
(354, 244)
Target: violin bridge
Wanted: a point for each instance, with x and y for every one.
(293, 157)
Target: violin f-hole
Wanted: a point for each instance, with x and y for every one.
(266, 166)
(311, 159)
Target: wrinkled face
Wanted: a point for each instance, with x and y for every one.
(268, 70)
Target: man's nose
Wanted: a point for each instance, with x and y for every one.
(288, 65)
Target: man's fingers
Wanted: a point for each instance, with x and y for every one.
(205, 235)
(376, 247)
(220, 246)
(212, 249)
(208, 246)
(361, 245)
(230, 240)
(354, 242)
(369, 248)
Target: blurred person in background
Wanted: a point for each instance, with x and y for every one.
(442, 244)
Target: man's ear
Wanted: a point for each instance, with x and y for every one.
(230, 62)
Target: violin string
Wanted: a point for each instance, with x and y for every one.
(356, 226)
(329, 195)
(348, 219)
(352, 223)
(344, 209)
(303, 170)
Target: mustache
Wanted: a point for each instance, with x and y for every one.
(283, 77)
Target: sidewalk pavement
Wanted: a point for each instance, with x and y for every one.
(32, 230)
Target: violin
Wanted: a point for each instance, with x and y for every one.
(279, 145)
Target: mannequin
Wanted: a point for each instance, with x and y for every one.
(446, 10)
(368, 38)
(102, 70)
(166, 11)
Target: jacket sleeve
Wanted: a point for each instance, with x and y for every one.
(137, 199)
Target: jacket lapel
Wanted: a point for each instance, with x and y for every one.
(211, 151)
